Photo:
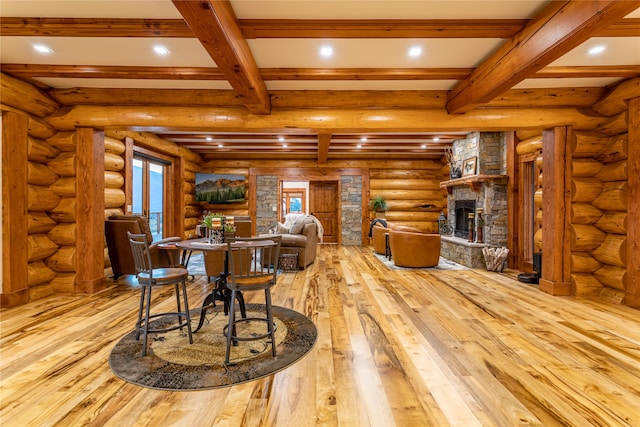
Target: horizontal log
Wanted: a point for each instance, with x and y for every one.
(613, 222)
(38, 273)
(63, 234)
(409, 194)
(615, 125)
(304, 168)
(376, 185)
(189, 233)
(585, 190)
(41, 199)
(64, 283)
(40, 151)
(616, 149)
(407, 173)
(537, 240)
(615, 277)
(531, 145)
(616, 171)
(582, 262)
(584, 213)
(65, 211)
(424, 226)
(613, 197)
(113, 162)
(195, 167)
(614, 101)
(585, 238)
(191, 223)
(192, 211)
(585, 285)
(40, 291)
(394, 216)
(587, 144)
(26, 97)
(349, 120)
(539, 215)
(188, 187)
(417, 205)
(63, 141)
(113, 179)
(105, 258)
(539, 161)
(40, 174)
(64, 187)
(583, 168)
(158, 144)
(538, 198)
(612, 251)
(39, 247)
(190, 199)
(113, 145)
(114, 198)
(39, 222)
(189, 176)
(36, 127)
(64, 164)
(112, 211)
(64, 260)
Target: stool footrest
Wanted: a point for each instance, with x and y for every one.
(225, 329)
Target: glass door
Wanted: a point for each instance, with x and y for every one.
(148, 192)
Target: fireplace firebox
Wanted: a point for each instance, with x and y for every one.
(462, 210)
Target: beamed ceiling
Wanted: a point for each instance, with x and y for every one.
(244, 78)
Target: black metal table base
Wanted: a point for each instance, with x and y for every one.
(220, 293)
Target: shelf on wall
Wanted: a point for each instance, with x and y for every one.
(473, 181)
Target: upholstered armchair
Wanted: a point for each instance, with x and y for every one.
(414, 249)
(122, 263)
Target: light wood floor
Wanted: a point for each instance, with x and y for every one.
(417, 348)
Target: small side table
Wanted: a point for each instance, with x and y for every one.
(387, 246)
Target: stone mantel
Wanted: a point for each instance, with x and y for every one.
(473, 181)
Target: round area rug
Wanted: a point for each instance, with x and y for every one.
(172, 363)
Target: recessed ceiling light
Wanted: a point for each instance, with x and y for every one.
(281, 139)
(363, 139)
(423, 146)
(326, 51)
(359, 146)
(42, 48)
(161, 50)
(220, 145)
(415, 51)
(596, 50)
(284, 145)
(436, 139)
(209, 138)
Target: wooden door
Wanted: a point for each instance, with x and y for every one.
(323, 204)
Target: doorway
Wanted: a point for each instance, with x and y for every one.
(149, 180)
(323, 204)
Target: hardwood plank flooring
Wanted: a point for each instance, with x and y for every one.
(395, 348)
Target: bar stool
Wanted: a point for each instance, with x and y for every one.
(148, 277)
(253, 266)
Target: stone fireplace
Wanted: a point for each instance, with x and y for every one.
(484, 191)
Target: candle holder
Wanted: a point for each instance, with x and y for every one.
(480, 225)
(471, 227)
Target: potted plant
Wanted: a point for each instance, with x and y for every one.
(380, 206)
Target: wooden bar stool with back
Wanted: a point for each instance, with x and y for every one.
(148, 277)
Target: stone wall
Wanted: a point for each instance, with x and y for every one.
(351, 213)
(266, 201)
(488, 147)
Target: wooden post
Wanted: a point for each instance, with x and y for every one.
(513, 206)
(556, 243)
(90, 211)
(178, 205)
(632, 296)
(14, 210)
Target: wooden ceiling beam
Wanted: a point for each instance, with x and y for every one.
(289, 28)
(579, 97)
(295, 74)
(560, 27)
(324, 142)
(214, 23)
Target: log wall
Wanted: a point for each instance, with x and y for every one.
(599, 214)
(114, 181)
(414, 196)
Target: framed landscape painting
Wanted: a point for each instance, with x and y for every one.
(220, 188)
